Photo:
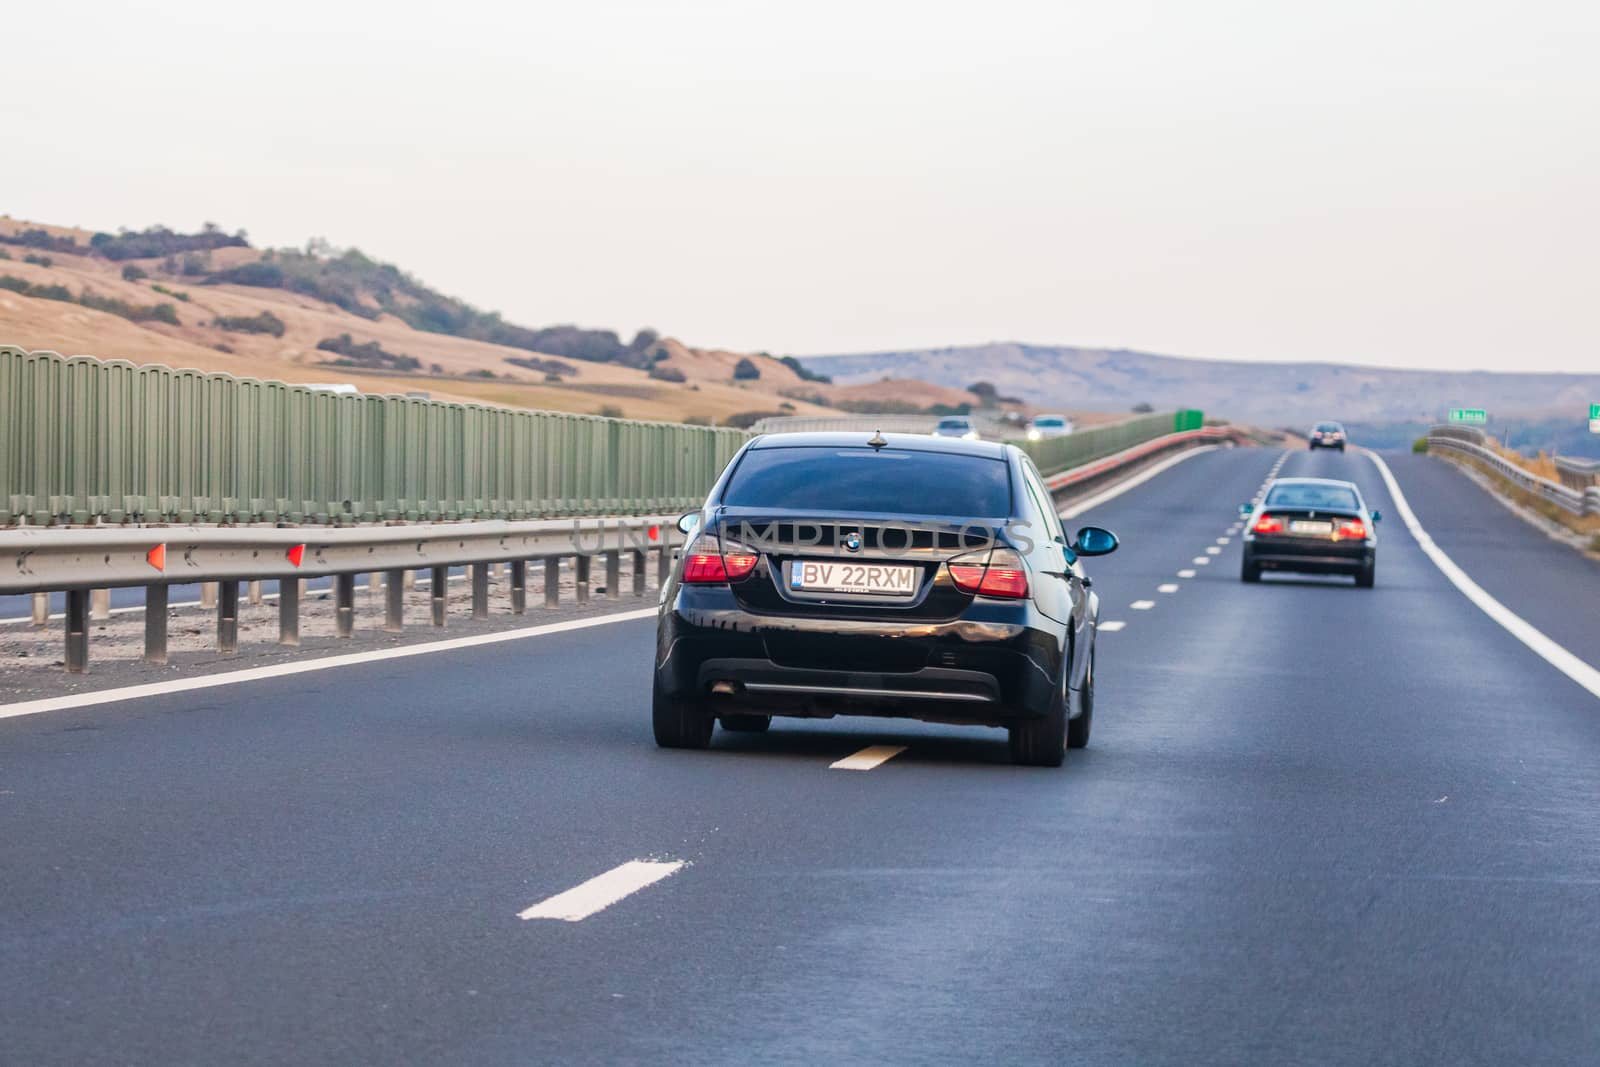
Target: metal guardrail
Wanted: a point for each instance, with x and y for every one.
(1469, 442)
(77, 560)
(84, 440)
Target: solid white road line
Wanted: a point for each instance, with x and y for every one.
(1552, 653)
(602, 891)
(182, 685)
(867, 758)
(1139, 479)
(1111, 627)
(1186, 573)
(1170, 587)
(1142, 605)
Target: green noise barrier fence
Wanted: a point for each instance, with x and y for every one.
(1062, 453)
(85, 440)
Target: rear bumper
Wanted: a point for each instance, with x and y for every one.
(1314, 557)
(975, 671)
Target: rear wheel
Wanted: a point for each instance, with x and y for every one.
(747, 724)
(1042, 742)
(1249, 569)
(1367, 575)
(1078, 729)
(679, 722)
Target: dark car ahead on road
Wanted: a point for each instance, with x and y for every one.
(1311, 525)
(1326, 435)
(900, 575)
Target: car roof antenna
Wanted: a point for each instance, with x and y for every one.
(877, 440)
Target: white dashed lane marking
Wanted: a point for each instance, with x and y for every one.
(1111, 627)
(601, 891)
(867, 758)
(1202, 560)
(1223, 540)
(1186, 573)
(1213, 550)
(1142, 605)
(1170, 587)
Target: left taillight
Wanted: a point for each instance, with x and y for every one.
(993, 572)
(709, 561)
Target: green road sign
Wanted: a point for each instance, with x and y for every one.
(1477, 416)
(1594, 418)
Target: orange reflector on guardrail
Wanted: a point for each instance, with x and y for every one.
(157, 557)
(296, 554)
(655, 533)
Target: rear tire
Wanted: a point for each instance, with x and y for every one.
(1042, 742)
(1078, 729)
(679, 722)
(1367, 575)
(747, 724)
(1249, 570)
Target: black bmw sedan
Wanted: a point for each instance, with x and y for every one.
(888, 575)
(1311, 525)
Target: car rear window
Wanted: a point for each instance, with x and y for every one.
(1312, 496)
(884, 482)
(1052, 424)
(953, 424)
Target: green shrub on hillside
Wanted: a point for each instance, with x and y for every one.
(38, 261)
(133, 273)
(746, 370)
(266, 322)
(370, 354)
(1419, 445)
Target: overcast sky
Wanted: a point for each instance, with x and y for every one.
(1376, 182)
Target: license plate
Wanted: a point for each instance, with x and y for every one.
(817, 576)
(1310, 526)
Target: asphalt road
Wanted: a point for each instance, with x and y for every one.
(1316, 825)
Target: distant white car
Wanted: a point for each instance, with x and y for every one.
(1044, 426)
(956, 426)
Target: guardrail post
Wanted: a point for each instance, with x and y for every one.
(344, 612)
(289, 611)
(208, 595)
(480, 590)
(438, 592)
(77, 657)
(255, 592)
(638, 571)
(100, 604)
(613, 573)
(155, 624)
(374, 581)
(663, 566)
(228, 616)
(394, 602)
(519, 586)
(41, 610)
(582, 567)
(552, 581)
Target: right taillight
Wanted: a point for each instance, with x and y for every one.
(709, 561)
(996, 572)
(1268, 524)
(1352, 530)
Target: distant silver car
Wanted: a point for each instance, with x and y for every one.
(956, 426)
(1045, 426)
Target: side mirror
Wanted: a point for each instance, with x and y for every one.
(1245, 510)
(1377, 516)
(688, 522)
(1095, 541)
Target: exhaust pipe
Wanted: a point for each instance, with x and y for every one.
(725, 689)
